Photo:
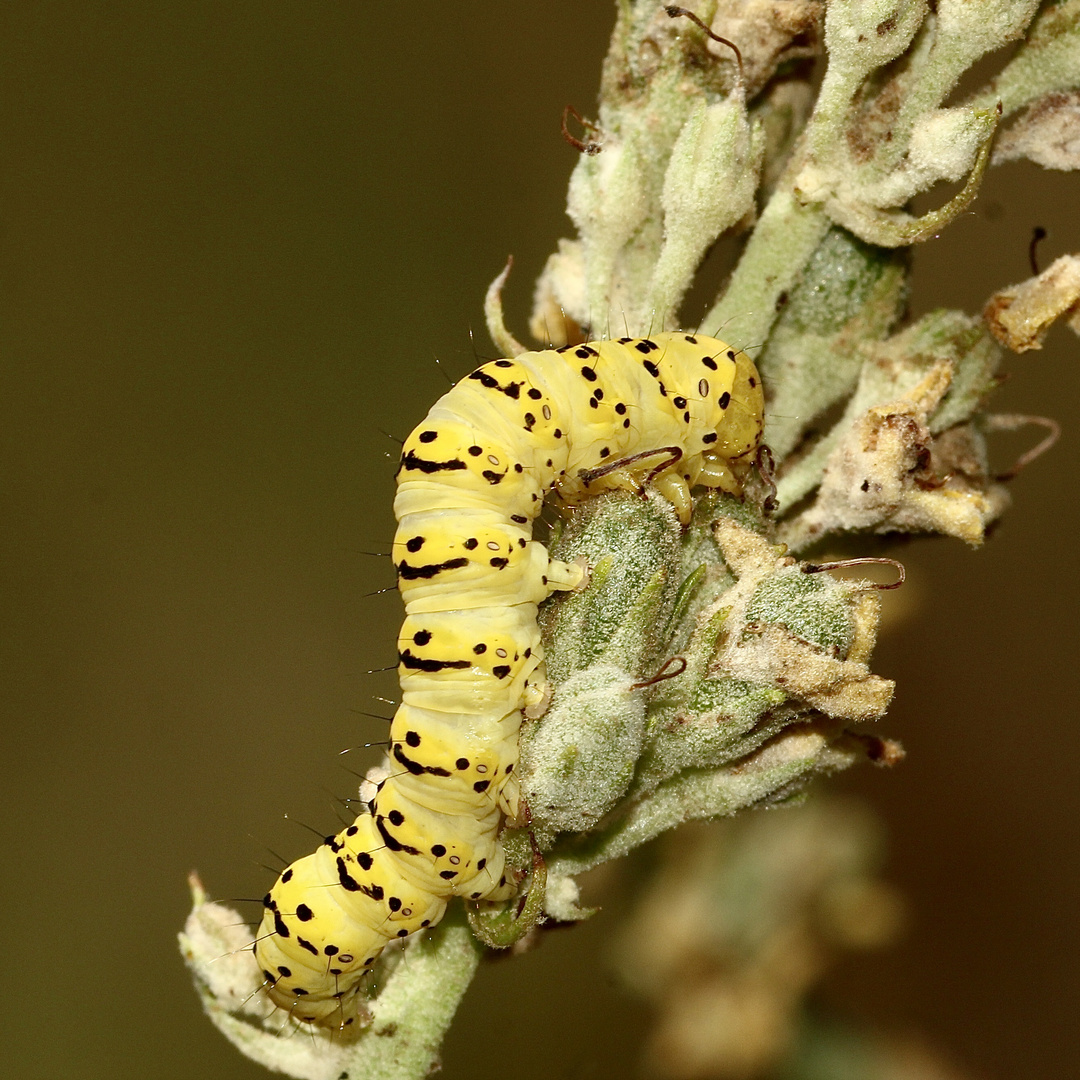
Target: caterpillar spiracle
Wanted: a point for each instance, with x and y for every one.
(675, 410)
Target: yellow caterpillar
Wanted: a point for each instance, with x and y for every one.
(676, 410)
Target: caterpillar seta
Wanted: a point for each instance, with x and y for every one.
(676, 410)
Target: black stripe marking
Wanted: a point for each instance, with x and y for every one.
(391, 843)
(347, 881)
(411, 573)
(420, 663)
(418, 464)
(511, 391)
(415, 767)
(412, 766)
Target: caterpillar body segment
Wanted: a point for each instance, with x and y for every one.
(676, 410)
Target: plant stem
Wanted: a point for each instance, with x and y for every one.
(771, 266)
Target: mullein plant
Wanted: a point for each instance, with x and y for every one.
(710, 668)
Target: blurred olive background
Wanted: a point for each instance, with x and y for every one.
(235, 238)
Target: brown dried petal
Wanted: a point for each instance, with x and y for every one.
(1020, 315)
(885, 476)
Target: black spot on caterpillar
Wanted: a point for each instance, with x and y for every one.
(478, 468)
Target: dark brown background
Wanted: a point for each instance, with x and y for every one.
(234, 237)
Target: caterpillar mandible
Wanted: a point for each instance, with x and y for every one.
(676, 410)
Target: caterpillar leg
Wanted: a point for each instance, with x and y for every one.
(537, 695)
(496, 881)
(676, 490)
(718, 472)
(510, 799)
(564, 577)
(567, 576)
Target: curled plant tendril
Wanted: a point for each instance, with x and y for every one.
(843, 564)
(1015, 421)
(674, 12)
(591, 147)
(674, 453)
(664, 673)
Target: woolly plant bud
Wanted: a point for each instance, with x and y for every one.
(861, 35)
(606, 200)
(581, 757)
(946, 141)
(609, 200)
(969, 30)
(630, 544)
(708, 187)
(944, 145)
